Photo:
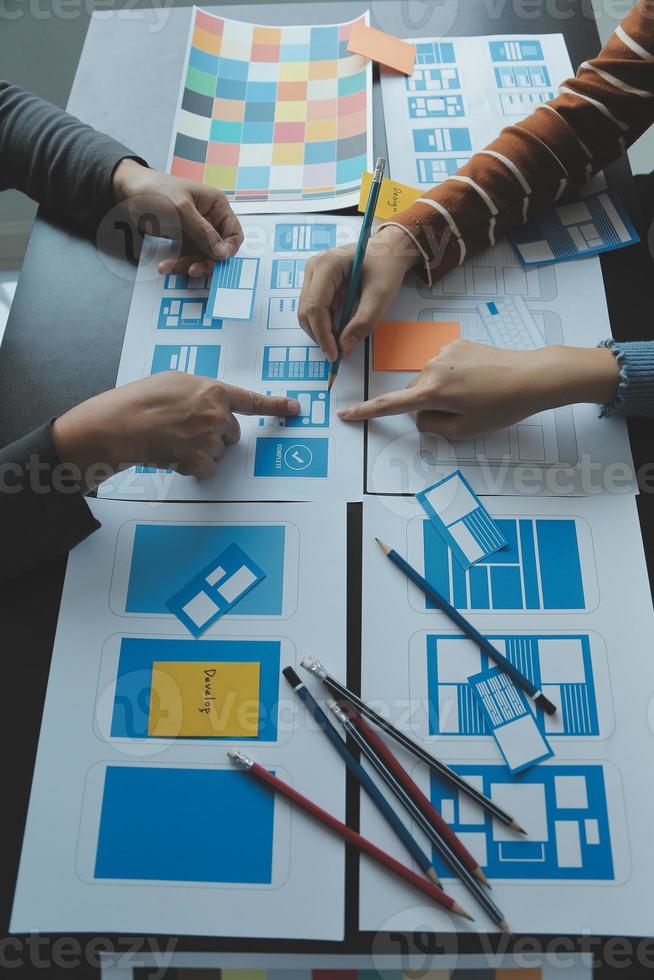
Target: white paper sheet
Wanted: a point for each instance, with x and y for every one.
(586, 862)
(111, 615)
(320, 458)
(463, 91)
(565, 451)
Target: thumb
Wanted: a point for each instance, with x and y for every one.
(252, 403)
(394, 403)
(203, 232)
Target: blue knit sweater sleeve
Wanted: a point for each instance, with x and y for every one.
(636, 389)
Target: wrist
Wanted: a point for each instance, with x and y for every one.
(126, 177)
(85, 438)
(580, 374)
(400, 245)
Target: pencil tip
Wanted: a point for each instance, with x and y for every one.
(384, 547)
(330, 383)
(504, 926)
(461, 911)
(516, 826)
(431, 873)
(480, 876)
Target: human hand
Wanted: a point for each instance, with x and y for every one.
(168, 420)
(210, 228)
(389, 256)
(469, 389)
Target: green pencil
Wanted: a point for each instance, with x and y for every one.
(357, 265)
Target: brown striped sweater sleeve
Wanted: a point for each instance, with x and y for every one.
(594, 118)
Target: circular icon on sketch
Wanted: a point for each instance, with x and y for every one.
(298, 457)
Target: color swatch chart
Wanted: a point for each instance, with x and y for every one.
(462, 92)
(279, 118)
(157, 828)
(240, 326)
(547, 602)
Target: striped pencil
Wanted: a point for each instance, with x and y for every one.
(471, 883)
(351, 836)
(422, 802)
(314, 666)
(362, 777)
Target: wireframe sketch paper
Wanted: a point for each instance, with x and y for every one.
(137, 820)
(548, 602)
(279, 118)
(462, 92)
(241, 328)
(597, 223)
(499, 302)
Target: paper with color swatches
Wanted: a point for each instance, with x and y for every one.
(215, 590)
(204, 700)
(598, 223)
(509, 719)
(393, 196)
(383, 48)
(461, 519)
(405, 345)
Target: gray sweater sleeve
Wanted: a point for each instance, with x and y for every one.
(56, 159)
(635, 394)
(42, 510)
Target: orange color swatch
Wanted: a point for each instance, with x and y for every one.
(384, 48)
(407, 345)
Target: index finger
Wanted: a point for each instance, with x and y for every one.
(252, 403)
(394, 403)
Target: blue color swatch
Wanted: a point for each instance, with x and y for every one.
(166, 556)
(540, 568)
(202, 360)
(290, 458)
(568, 823)
(174, 824)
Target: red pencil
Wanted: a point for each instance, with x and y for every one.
(346, 832)
(414, 791)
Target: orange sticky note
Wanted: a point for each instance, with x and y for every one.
(384, 48)
(407, 345)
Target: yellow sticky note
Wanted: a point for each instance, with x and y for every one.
(204, 700)
(393, 196)
(381, 47)
(406, 345)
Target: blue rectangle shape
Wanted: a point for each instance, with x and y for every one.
(262, 91)
(523, 859)
(306, 365)
(350, 171)
(477, 522)
(233, 69)
(529, 569)
(227, 275)
(184, 314)
(294, 52)
(227, 88)
(207, 588)
(317, 416)
(506, 587)
(134, 676)
(560, 567)
(301, 237)
(166, 556)
(478, 581)
(290, 458)
(204, 359)
(174, 824)
(436, 558)
(287, 273)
